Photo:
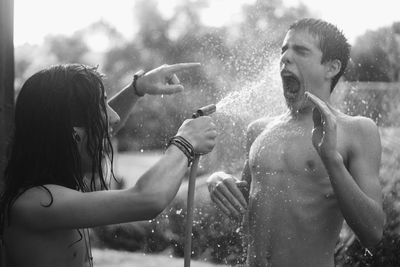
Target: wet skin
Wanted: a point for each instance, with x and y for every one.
(308, 170)
(46, 248)
(47, 236)
(292, 209)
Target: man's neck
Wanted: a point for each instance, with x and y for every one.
(301, 114)
(306, 111)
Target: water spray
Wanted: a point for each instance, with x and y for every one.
(204, 111)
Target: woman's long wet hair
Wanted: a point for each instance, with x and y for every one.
(43, 149)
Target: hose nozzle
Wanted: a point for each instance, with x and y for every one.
(205, 111)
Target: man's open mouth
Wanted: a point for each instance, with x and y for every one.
(291, 84)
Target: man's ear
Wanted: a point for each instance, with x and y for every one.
(332, 68)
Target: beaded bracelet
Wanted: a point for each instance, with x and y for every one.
(184, 146)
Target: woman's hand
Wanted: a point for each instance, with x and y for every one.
(162, 80)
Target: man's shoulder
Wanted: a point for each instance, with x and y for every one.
(257, 126)
(359, 130)
(357, 124)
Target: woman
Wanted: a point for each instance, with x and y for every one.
(60, 152)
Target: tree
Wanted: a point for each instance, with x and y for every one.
(230, 55)
(375, 56)
(6, 80)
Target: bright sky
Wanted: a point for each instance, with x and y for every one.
(35, 19)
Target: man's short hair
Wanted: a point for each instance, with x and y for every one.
(332, 42)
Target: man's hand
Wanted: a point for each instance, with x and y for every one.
(226, 193)
(324, 134)
(163, 80)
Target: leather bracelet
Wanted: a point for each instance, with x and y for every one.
(184, 146)
(136, 76)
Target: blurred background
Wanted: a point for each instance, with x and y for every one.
(238, 44)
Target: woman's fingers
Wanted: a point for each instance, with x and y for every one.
(170, 69)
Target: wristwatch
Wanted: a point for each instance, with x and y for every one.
(136, 76)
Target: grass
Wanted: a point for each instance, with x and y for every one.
(130, 166)
(114, 258)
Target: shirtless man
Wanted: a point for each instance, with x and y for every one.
(310, 168)
(61, 140)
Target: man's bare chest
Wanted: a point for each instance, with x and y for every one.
(286, 149)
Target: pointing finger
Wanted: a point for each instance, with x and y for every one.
(181, 66)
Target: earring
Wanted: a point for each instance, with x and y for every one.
(76, 136)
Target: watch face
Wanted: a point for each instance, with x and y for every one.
(136, 76)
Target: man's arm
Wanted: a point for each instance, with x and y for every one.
(356, 188)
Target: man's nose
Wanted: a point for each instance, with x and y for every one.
(286, 57)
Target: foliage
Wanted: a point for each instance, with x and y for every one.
(387, 252)
(376, 56)
(376, 100)
(216, 238)
(219, 239)
(231, 56)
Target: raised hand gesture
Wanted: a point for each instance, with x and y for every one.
(162, 80)
(324, 133)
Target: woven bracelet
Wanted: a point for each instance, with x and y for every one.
(184, 146)
(185, 143)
